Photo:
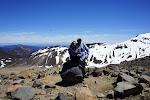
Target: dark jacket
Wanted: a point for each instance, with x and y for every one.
(73, 55)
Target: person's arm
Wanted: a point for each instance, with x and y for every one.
(87, 49)
(71, 52)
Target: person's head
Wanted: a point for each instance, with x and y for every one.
(73, 45)
(79, 40)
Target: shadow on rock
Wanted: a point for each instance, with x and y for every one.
(66, 84)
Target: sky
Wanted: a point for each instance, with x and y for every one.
(45, 22)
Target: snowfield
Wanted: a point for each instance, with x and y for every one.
(102, 55)
(134, 48)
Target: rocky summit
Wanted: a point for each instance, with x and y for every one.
(115, 82)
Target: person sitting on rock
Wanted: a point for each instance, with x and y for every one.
(84, 50)
(71, 71)
(74, 53)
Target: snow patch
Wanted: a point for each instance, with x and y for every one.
(2, 64)
(48, 66)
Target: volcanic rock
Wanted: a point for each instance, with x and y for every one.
(125, 89)
(144, 79)
(84, 93)
(125, 77)
(49, 84)
(97, 72)
(23, 93)
(132, 73)
(37, 83)
(71, 72)
(139, 70)
(40, 76)
(61, 97)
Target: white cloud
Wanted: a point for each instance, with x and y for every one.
(18, 34)
(30, 37)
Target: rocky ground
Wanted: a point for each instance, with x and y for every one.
(127, 81)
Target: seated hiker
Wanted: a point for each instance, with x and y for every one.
(74, 53)
(84, 50)
(71, 72)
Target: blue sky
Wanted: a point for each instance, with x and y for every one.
(62, 21)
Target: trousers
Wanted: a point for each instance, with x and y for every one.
(82, 63)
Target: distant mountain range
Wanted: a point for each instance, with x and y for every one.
(9, 47)
(8, 57)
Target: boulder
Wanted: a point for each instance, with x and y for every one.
(125, 77)
(49, 84)
(84, 93)
(143, 85)
(40, 76)
(125, 89)
(20, 81)
(71, 72)
(97, 72)
(61, 97)
(132, 73)
(144, 79)
(146, 89)
(37, 83)
(23, 93)
(139, 70)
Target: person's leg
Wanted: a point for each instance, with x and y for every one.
(82, 63)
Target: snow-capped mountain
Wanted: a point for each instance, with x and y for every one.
(50, 56)
(134, 48)
(100, 54)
